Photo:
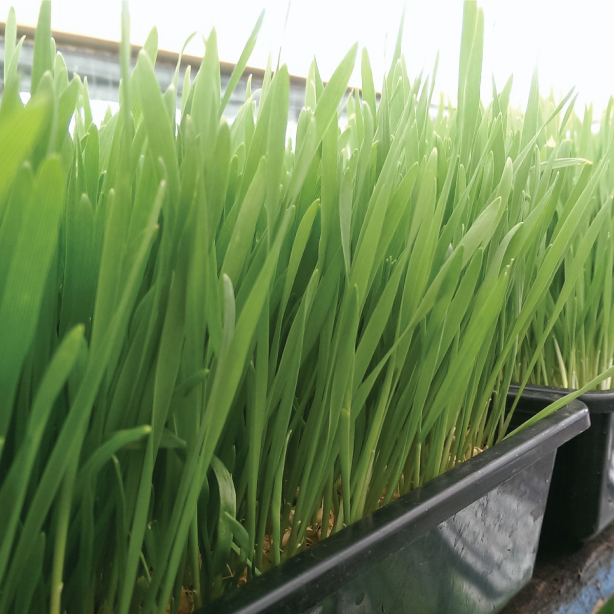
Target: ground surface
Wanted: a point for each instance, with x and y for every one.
(576, 583)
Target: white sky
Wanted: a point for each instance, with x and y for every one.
(569, 41)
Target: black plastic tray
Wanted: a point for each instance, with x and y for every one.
(464, 543)
(581, 500)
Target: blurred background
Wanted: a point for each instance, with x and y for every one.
(569, 42)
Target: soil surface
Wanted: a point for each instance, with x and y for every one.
(559, 580)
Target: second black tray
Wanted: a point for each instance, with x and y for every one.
(581, 499)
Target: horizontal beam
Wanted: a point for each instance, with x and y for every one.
(69, 40)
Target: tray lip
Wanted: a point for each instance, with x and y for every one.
(597, 401)
(313, 575)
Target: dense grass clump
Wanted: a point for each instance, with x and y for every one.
(576, 321)
(220, 345)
